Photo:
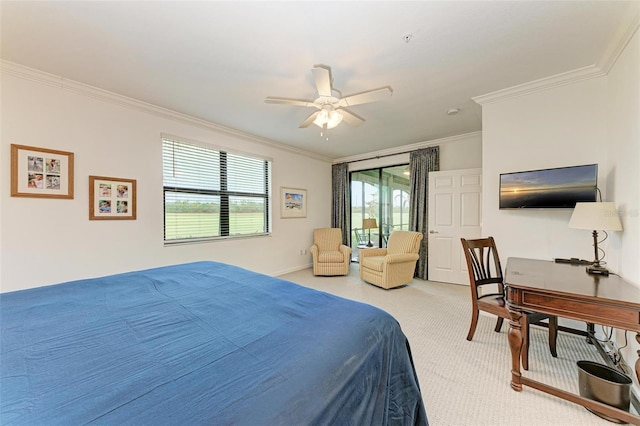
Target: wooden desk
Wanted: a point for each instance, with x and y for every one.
(567, 291)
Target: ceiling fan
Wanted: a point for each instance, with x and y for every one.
(331, 110)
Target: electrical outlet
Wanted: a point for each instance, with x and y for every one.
(301, 252)
(305, 251)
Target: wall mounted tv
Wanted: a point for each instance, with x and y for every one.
(549, 188)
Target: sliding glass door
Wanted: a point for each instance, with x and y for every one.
(379, 205)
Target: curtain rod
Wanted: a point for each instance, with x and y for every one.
(387, 155)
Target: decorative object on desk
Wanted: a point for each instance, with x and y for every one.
(596, 216)
(112, 198)
(293, 202)
(604, 384)
(369, 224)
(41, 173)
(573, 261)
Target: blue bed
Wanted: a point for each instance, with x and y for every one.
(201, 343)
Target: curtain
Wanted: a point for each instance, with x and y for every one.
(421, 162)
(340, 201)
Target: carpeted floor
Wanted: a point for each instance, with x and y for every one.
(467, 383)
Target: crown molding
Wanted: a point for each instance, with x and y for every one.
(584, 73)
(403, 149)
(42, 77)
(611, 56)
(31, 74)
(603, 67)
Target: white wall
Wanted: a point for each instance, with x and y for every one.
(590, 121)
(623, 131)
(562, 126)
(567, 125)
(45, 241)
(623, 106)
(458, 152)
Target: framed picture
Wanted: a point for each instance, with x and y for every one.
(41, 173)
(112, 198)
(293, 202)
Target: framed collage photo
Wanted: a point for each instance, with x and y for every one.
(293, 202)
(41, 172)
(112, 198)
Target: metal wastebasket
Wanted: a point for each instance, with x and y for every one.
(604, 384)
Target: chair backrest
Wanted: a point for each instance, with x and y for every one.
(404, 242)
(483, 264)
(360, 236)
(327, 238)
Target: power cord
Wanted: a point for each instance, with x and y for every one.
(613, 354)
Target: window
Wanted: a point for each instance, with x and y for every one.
(211, 194)
(381, 194)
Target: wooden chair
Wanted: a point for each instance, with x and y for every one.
(483, 264)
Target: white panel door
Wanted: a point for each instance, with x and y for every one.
(454, 212)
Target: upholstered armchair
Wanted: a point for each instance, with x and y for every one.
(330, 256)
(392, 266)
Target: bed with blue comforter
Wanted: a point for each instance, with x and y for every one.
(201, 344)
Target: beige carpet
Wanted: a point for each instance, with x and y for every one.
(467, 383)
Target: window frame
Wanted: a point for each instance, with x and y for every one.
(225, 214)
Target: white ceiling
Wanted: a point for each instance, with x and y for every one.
(218, 60)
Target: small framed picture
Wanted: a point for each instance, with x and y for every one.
(41, 172)
(293, 202)
(112, 198)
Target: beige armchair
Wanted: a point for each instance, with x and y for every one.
(392, 266)
(330, 256)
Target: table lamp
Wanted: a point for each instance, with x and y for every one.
(369, 224)
(596, 216)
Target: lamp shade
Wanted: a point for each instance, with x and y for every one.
(369, 224)
(595, 216)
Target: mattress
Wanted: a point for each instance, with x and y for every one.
(201, 343)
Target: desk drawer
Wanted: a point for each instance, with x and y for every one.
(596, 311)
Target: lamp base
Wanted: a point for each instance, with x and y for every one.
(369, 244)
(597, 270)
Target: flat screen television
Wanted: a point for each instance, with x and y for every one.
(561, 187)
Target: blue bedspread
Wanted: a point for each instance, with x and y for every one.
(201, 343)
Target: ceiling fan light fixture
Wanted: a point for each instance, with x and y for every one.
(335, 118)
(328, 118)
(322, 118)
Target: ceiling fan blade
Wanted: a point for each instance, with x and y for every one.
(322, 77)
(374, 95)
(289, 101)
(309, 120)
(350, 117)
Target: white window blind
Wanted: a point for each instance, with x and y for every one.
(211, 194)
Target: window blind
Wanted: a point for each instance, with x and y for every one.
(210, 193)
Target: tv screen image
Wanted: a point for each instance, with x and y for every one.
(549, 188)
